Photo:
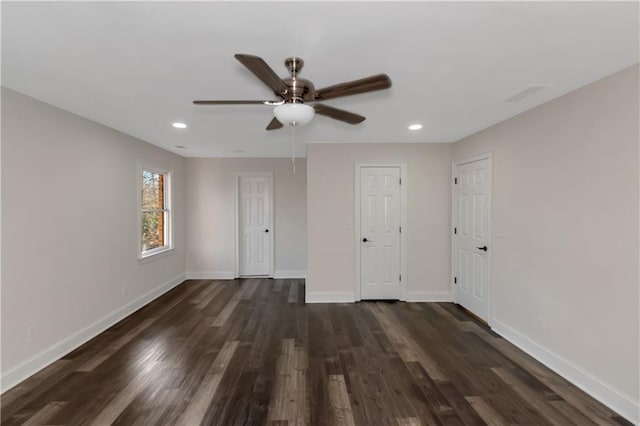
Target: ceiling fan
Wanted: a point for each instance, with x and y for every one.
(292, 93)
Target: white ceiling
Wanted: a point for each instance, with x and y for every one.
(136, 67)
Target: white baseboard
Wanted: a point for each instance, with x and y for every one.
(601, 391)
(42, 359)
(428, 296)
(211, 275)
(290, 274)
(322, 297)
(349, 297)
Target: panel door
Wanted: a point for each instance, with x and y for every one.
(472, 195)
(254, 221)
(380, 207)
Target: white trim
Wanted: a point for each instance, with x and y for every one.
(484, 156)
(290, 274)
(454, 293)
(428, 296)
(156, 255)
(211, 275)
(325, 297)
(617, 401)
(272, 230)
(454, 287)
(403, 224)
(53, 353)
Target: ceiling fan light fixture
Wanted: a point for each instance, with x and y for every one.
(294, 114)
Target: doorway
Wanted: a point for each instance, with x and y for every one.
(471, 235)
(254, 225)
(379, 221)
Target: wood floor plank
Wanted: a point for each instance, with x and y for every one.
(293, 293)
(250, 289)
(44, 414)
(570, 412)
(460, 405)
(290, 400)
(205, 291)
(409, 421)
(537, 400)
(251, 352)
(340, 405)
(595, 410)
(111, 412)
(205, 300)
(222, 410)
(94, 362)
(19, 395)
(199, 402)
(484, 410)
(224, 315)
(404, 343)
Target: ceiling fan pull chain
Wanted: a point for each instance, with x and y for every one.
(293, 148)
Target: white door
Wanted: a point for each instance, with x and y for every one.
(472, 202)
(254, 225)
(380, 233)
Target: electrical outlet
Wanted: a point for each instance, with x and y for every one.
(31, 333)
(125, 290)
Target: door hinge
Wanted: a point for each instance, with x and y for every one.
(400, 278)
(400, 181)
(455, 280)
(455, 230)
(455, 181)
(401, 229)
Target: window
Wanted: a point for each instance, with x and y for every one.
(155, 212)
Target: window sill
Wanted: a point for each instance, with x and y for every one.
(155, 256)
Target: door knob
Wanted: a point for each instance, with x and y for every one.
(266, 230)
(364, 240)
(482, 248)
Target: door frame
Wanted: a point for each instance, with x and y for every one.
(237, 177)
(403, 224)
(454, 224)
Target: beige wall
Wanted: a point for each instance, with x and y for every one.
(331, 204)
(211, 214)
(70, 239)
(565, 274)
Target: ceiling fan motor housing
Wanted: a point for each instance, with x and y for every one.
(299, 88)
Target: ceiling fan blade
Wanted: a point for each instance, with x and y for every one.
(367, 84)
(263, 71)
(274, 124)
(247, 102)
(339, 114)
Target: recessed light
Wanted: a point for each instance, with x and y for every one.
(415, 127)
(180, 146)
(179, 125)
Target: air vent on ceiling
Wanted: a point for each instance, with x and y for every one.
(526, 92)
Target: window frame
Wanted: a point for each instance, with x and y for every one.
(167, 174)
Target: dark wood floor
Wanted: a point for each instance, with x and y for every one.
(250, 352)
